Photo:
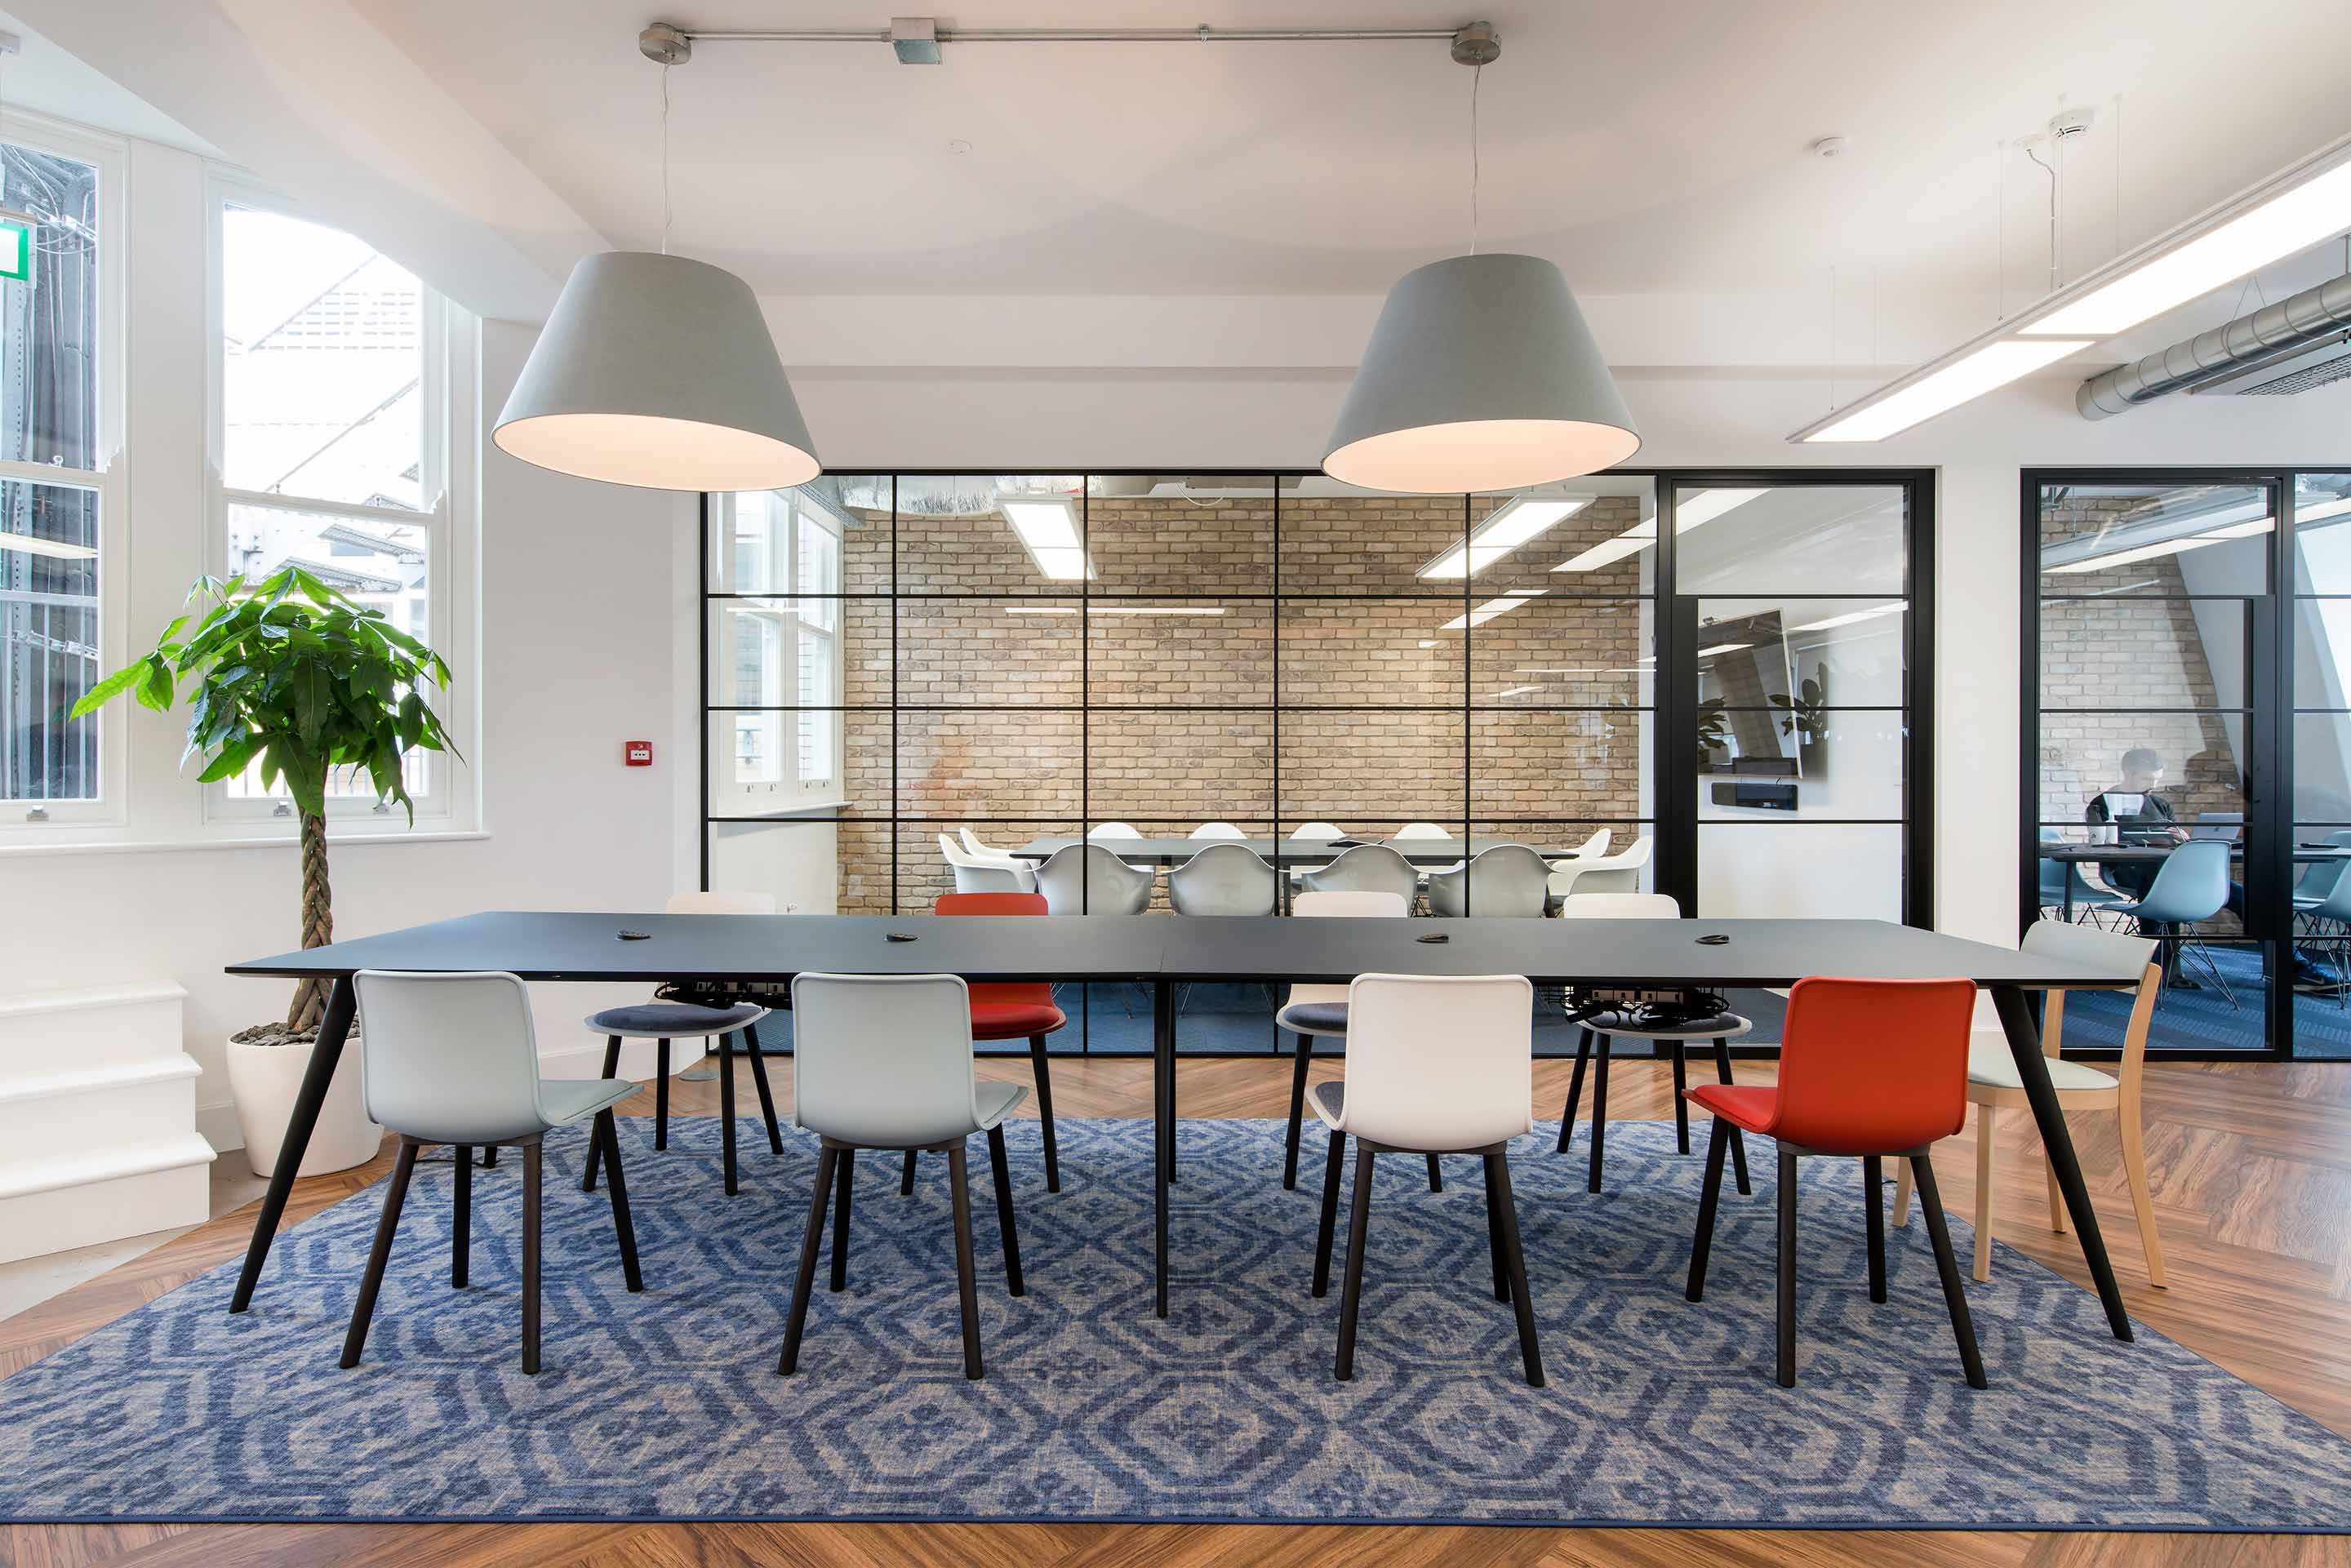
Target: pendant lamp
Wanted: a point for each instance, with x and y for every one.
(658, 371)
(1481, 373)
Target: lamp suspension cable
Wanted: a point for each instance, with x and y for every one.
(665, 214)
(1477, 75)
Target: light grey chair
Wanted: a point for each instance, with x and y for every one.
(884, 1061)
(1087, 879)
(1366, 868)
(1224, 879)
(451, 1059)
(986, 874)
(1508, 880)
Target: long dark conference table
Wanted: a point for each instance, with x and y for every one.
(1165, 951)
(1278, 851)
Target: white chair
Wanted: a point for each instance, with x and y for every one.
(975, 848)
(1602, 873)
(979, 873)
(1502, 880)
(1421, 830)
(1113, 830)
(1226, 878)
(1217, 831)
(1087, 879)
(452, 1059)
(1994, 1084)
(1721, 1029)
(1368, 868)
(662, 1022)
(1436, 1065)
(1321, 1010)
(1318, 831)
(1592, 848)
(884, 1061)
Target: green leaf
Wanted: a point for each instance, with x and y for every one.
(313, 694)
(155, 691)
(99, 694)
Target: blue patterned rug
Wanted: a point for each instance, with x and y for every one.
(667, 1404)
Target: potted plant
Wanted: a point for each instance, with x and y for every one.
(293, 675)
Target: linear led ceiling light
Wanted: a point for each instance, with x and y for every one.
(2291, 211)
(1506, 527)
(1851, 618)
(1491, 608)
(1702, 506)
(1047, 527)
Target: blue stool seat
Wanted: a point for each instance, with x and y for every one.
(673, 1020)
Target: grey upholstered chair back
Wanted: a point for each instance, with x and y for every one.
(1224, 879)
(448, 1058)
(1087, 879)
(1505, 880)
(882, 1061)
(1368, 868)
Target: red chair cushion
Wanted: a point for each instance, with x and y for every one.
(1752, 1106)
(1002, 1019)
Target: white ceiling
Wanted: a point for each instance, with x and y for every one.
(43, 77)
(1647, 148)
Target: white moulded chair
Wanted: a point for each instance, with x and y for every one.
(1318, 831)
(1217, 831)
(452, 1059)
(1436, 1065)
(1087, 879)
(982, 874)
(1321, 1010)
(979, 850)
(1224, 879)
(1368, 868)
(1505, 880)
(1618, 872)
(1421, 830)
(884, 1061)
(1994, 1085)
(1590, 848)
(1113, 831)
(1604, 1027)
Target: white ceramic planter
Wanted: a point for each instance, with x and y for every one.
(264, 1081)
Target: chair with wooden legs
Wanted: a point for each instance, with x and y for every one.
(1010, 1011)
(884, 1061)
(1322, 1011)
(1602, 1028)
(1868, 1069)
(1993, 1085)
(451, 1059)
(1436, 1065)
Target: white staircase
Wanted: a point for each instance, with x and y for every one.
(98, 1119)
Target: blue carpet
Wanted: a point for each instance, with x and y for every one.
(667, 1404)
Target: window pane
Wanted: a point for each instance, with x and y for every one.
(1592, 535)
(1830, 871)
(322, 365)
(2322, 767)
(1840, 653)
(1767, 765)
(1593, 763)
(48, 320)
(2322, 533)
(980, 763)
(2133, 651)
(1356, 767)
(1563, 652)
(1197, 652)
(1375, 653)
(1790, 538)
(2187, 766)
(1175, 533)
(824, 536)
(987, 651)
(1191, 767)
(991, 533)
(2155, 539)
(1339, 539)
(48, 641)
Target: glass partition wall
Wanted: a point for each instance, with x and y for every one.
(893, 661)
(2187, 731)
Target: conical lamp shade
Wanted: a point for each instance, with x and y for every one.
(1480, 375)
(658, 371)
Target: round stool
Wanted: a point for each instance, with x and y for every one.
(1721, 1029)
(665, 1021)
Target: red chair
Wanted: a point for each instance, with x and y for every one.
(1868, 1068)
(1022, 1011)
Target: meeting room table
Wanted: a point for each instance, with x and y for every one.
(1166, 951)
(2069, 853)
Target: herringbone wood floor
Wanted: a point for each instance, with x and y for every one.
(2252, 1176)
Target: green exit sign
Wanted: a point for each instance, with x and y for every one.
(15, 251)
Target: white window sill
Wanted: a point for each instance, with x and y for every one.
(23, 850)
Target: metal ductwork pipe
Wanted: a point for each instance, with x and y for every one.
(2292, 323)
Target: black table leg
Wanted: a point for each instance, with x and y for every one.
(1163, 1051)
(333, 1030)
(2024, 1045)
(726, 1111)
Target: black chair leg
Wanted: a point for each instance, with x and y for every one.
(1498, 1182)
(907, 1182)
(1737, 1138)
(1435, 1174)
(1599, 1114)
(460, 1219)
(767, 1096)
(727, 1110)
(1787, 1270)
(845, 1174)
(490, 1157)
(1330, 1168)
(1351, 1295)
(1003, 1169)
(380, 1254)
(595, 1150)
(1574, 1091)
(1955, 1296)
(1303, 1055)
(1494, 1242)
(660, 1099)
(1873, 1183)
(1681, 1104)
(804, 1280)
(1709, 1197)
(624, 1229)
(1041, 1069)
(967, 1285)
(530, 1180)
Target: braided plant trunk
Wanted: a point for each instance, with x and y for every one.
(317, 922)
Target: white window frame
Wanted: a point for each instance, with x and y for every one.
(782, 607)
(26, 820)
(445, 475)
